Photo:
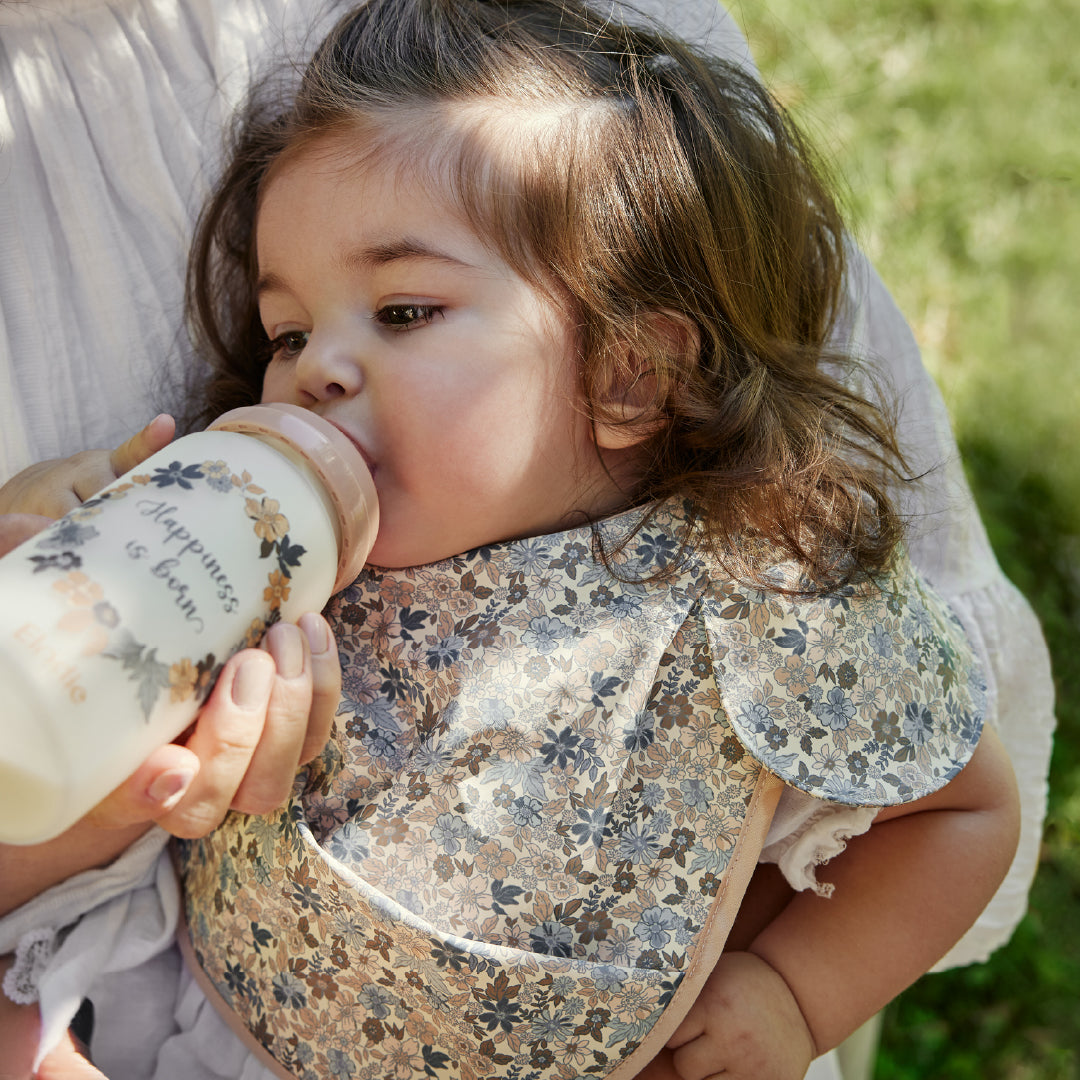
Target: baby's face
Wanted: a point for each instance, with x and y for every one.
(455, 377)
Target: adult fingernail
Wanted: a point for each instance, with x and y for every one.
(285, 646)
(169, 787)
(316, 632)
(251, 686)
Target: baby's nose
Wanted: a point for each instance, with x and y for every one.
(329, 369)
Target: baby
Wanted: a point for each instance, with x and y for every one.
(569, 287)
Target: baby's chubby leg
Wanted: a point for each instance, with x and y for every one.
(19, 1028)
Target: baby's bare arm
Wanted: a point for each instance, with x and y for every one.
(906, 891)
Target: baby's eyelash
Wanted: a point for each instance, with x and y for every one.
(397, 317)
(289, 345)
(406, 316)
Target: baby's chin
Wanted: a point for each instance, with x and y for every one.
(403, 552)
(386, 554)
(399, 545)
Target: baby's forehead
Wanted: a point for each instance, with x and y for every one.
(500, 164)
(428, 136)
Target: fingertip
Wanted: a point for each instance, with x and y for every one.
(286, 644)
(253, 680)
(162, 422)
(169, 788)
(157, 786)
(153, 437)
(159, 432)
(325, 685)
(317, 631)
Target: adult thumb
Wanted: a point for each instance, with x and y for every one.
(154, 437)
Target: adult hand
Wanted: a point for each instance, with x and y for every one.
(52, 488)
(270, 711)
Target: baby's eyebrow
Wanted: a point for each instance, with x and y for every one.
(270, 282)
(371, 256)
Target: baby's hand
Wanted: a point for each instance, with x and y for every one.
(52, 488)
(745, 1025)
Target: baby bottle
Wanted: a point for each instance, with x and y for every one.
(116, 620)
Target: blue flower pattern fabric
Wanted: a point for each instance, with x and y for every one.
(509, 860)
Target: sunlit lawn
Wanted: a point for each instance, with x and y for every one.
(956, 124)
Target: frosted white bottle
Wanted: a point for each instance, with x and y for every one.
(115, 621)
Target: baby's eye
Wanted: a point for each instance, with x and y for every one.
(406, 316)
(289, 345)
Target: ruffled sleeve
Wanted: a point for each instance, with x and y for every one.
(870, 695)
(806, 833)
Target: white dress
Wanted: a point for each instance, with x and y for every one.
(110, 114)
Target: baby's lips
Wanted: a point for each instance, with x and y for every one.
(356, 442)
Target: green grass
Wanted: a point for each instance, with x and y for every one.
(955, 126)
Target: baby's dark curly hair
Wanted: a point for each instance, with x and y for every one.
(661, 196)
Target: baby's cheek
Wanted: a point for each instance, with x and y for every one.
(277, 384)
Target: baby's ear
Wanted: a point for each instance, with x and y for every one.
(665, 345)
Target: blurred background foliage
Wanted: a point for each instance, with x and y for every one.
(955, 125)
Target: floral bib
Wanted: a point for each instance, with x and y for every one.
(547, 788)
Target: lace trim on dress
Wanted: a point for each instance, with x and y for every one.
(32, 956)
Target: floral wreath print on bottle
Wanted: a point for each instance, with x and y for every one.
(93, 616)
